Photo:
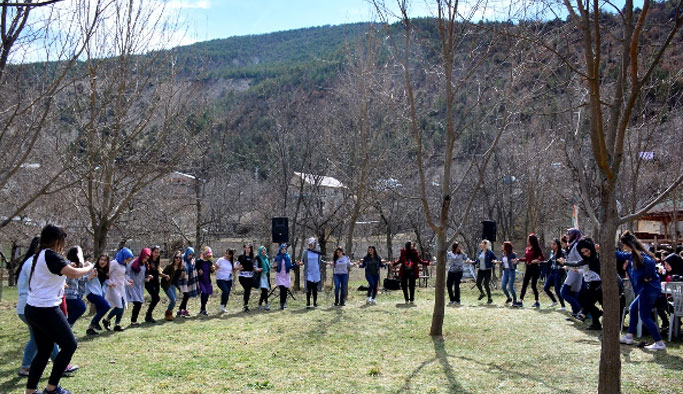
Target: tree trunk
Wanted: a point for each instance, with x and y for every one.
(439, 291)
(610, 356)
(100, 233)
(198, 208)
(390, 246)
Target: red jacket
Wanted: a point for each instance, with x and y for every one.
(407, 262)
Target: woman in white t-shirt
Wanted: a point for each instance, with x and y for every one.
(224, 270)
(46, 282)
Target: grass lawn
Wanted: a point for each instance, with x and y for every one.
(355, 349)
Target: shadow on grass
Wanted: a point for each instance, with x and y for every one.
(508, 370)
(441, 356)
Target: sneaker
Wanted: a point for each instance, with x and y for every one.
(336, 304)
(57, 390)
(554, 304)
(91, 332)
(368, 300)
(118, 328)
(245, 309)
(222, 308)
(180, 313)
(656, 346)
(23, 372)
(451, 303)
(204, 313)
(626, 340)
(267, 307)
(308, 306)
(97, 327)
(186, 313)
(509, 300)
(536, 305)
(315, 306)
(412, 302)
(481, 296)
(562, 309)
(107, 324)
(489, 301)
(150, 319)
(284, 306)
(134, 324)
(518, 304)
(374, 301)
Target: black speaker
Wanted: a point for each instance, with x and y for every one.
(392, 284)
(280, 230)
(489, 230)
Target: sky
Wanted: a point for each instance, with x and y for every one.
(212, 19)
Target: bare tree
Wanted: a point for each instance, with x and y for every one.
(28, 92)
(128, 129)
(616, 62)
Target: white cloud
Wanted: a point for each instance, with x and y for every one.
(184, 4)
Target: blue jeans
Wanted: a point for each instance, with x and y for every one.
(76, 308)
(373, 282)
(225, 286)
(555, 278)
(508, 284)
(641, 308)
(571, 297)
(340, 281)
(172, 297)
(101, 305)
(30, 349)
(118, 312)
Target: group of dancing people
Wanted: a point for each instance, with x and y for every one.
(573, 272)
(52, 283)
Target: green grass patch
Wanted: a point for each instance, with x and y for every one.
(355, 349)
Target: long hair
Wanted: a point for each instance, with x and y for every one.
(32, 249)
(151, 262)
(51, 237)
(454, 248)
(75, 255)
(637, 249)
(533, 241)
(251, 250)
(374, 252)
(507, 248)
(102, 272)
(177, 254)
(231, 252)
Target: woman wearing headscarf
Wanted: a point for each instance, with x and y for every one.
(116, 287)
(283, 263)
(262, 272)
(205, 267)
(590, 269)
(188, 282)
(138, 273)
(573, 282)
